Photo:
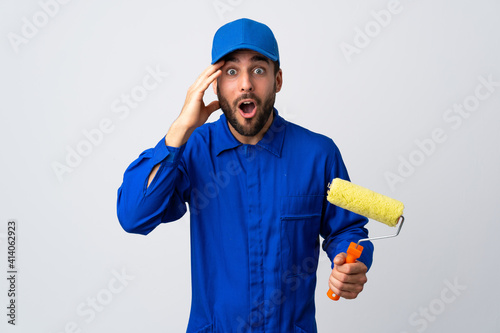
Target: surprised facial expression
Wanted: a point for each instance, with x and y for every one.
(247, 90)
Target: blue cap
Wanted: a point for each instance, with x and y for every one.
(244, 34)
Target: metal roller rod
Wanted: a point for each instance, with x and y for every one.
(400, 222)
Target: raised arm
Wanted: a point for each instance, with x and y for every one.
(155, 186)
(194, 112)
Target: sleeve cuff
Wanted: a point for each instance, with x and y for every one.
(164, 153)
(366, 256)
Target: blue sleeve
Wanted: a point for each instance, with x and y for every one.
(141, 208)
(340, 227)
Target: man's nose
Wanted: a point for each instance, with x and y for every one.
(246, 82)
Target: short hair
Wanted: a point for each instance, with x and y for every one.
(276, 67)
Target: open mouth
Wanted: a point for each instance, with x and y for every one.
(247, 108)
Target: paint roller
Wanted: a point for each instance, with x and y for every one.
(364, 202)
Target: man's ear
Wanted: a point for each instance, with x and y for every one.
(279, 80)
(214, 86)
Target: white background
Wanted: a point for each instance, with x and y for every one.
(380, 104)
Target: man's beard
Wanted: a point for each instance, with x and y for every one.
(264, 110)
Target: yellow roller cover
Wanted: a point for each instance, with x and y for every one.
(365, 202)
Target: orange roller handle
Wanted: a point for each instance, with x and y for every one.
(353, 253)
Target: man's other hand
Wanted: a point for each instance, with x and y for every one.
(347, 280)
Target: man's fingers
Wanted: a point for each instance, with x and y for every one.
(213, 68)
(194, 97)
(197, 90)
(194, 113)
(347, 294)
(355, 268)
(359, 278)
(209, 75)
(212, 78)
(345, 286)
(345, 289)
(339, 259)
(347, 279)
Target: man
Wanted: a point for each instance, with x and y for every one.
(256, 188)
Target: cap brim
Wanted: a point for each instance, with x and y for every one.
(245, 47)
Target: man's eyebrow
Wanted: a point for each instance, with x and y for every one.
(256, 58)
(231, 59)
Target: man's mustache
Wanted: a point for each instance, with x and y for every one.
(247, 96)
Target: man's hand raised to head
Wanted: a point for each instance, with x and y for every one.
(194, 112)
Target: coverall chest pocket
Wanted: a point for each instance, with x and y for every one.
(300, 224)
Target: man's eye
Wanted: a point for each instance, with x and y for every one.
(259, 71)
(231, 71)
